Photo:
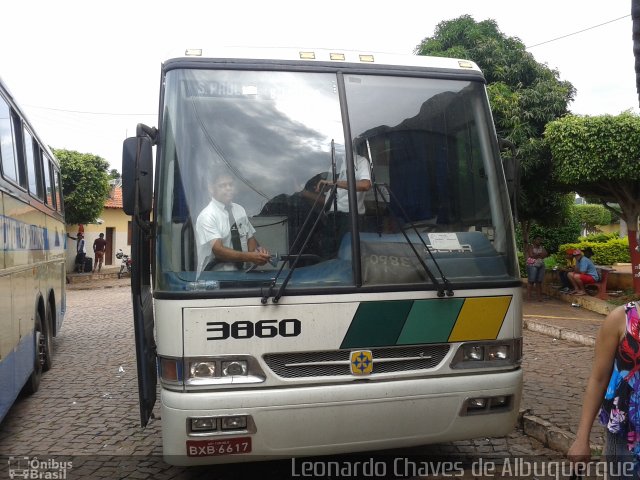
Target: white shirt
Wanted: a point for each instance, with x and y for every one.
(213, 224)
(362, 173)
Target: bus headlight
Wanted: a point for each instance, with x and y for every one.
(220, 426)
(473, 352)
(487, 405)
(224, 370)
(238, 422)
(498, 352)
(234, 367)
(203, 424)
(494, 354)
(202, 369)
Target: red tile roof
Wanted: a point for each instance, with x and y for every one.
(115, 198)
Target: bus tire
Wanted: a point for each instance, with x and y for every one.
(47, 361)
(33, 383)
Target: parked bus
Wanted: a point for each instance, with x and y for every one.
(374, 298)
(32, 258)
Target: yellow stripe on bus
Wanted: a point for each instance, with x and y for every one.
(480, 319)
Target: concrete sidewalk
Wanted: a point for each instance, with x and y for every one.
(107, 278)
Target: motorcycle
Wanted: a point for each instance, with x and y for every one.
(125, 264)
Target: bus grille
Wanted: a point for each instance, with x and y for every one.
(337, 362)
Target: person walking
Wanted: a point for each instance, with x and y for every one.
(612, 393)
(99, 249)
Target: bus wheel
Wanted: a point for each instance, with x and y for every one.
(47, 342)
(36, 375)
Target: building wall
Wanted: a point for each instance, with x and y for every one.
(614, 227)
(111, 217)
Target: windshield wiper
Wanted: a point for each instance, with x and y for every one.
(298, 256)
(445, 281)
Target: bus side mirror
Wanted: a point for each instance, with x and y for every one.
(137, 175)
(511, 167)
(512, 174)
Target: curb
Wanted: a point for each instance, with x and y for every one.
(547, 434)
(559, 333)
(94, 287)
(586, 301)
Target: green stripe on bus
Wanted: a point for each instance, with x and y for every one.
(377, 324)
(430, 321)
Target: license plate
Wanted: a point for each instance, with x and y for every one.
(227, 446)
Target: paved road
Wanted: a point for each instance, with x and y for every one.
(556, 370)
(86, 410)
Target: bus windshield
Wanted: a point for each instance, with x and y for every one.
(248, 160)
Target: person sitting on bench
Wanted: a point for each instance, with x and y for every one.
(585, 273)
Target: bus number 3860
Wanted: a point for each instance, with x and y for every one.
(288, 327)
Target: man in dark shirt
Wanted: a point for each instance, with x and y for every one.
(99, 247)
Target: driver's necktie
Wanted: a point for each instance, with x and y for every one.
(235, 235)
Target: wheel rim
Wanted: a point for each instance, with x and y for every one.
(47, 340)
(41, 341)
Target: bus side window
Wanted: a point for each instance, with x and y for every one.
(33, 157)
(7, 142)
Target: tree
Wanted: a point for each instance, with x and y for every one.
(598, 156)
(555, 236)
(635, 16)
(85, 185)
(114, 174)
(524, 96)
(592, 215)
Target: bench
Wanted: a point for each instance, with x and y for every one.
(599, 289)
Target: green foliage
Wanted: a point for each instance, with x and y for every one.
(522, 265)
(114, 174)
(615, 250)
(558, 259)
(590, 149)
(598, 156)
(524, 94)
(591, 215)
(552, 237)
(600, 237)
(85, 185)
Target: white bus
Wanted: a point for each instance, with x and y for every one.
(391, 322)
(32, 258)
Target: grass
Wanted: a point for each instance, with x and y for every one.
(626, 297)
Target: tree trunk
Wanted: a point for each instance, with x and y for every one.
(635, 260)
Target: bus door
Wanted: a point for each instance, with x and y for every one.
(137, 184)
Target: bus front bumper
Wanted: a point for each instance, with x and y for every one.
(332, 419)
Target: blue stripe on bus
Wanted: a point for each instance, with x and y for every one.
(15, 369)
(18, 236)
